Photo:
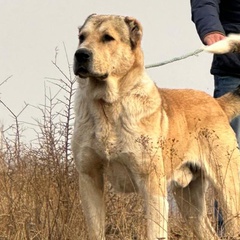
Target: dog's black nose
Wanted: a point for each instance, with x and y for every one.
(83, 55)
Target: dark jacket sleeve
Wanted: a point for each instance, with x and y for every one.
(205, 15)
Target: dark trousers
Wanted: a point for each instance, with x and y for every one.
(222, 85)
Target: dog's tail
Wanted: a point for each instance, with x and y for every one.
(230, 103)
(231, 43)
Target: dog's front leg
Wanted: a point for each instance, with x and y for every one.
(91, 193)
(157, 208)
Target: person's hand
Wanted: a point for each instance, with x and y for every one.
(219, 44)
(213, 38)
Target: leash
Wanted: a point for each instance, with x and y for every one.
(196, 52)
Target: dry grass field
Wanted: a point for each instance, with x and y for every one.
(39, 200)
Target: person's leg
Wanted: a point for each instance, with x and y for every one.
(225, 84)
(222, 85)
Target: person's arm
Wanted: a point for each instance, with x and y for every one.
(205, 15)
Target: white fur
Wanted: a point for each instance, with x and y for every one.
(226, 45)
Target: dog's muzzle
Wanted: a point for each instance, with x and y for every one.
(82, 62)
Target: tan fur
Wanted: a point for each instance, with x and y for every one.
(143, 137)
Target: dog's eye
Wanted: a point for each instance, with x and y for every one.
(107, 38)
(81, 38)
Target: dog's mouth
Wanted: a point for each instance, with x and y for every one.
(83, 72)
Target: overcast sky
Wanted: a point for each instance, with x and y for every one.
(31, 30)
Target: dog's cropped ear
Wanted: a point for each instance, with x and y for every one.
(135, 31)
(90, 16)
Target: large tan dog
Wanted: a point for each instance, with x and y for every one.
(143, 137)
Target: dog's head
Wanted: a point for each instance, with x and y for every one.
(109, 46)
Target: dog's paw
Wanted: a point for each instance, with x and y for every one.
(229, 44)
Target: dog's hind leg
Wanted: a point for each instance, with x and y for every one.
(227, 186)
(192, 205)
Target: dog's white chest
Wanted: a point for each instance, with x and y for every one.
(113, 133)
(112, 139)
